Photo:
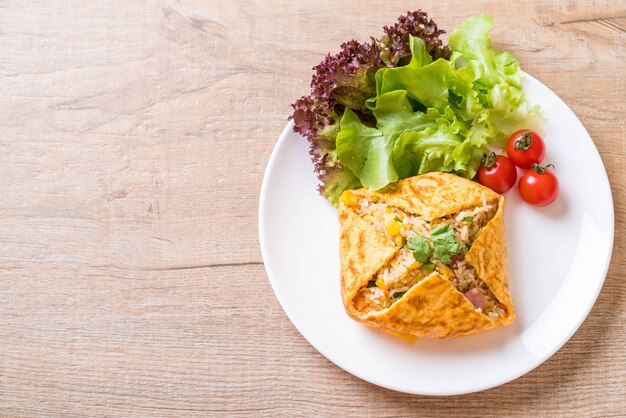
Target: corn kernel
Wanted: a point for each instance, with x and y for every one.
(392, 227)
(381, 284)
(388, 210)
(399, 239)
(348, 198)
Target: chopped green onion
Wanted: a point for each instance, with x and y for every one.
(468, 219)
(397, 218)
(398, 295)
(428, 266)
(371, 283)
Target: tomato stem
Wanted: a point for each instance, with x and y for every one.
(539, 169)
(524, 142)
(488, 160)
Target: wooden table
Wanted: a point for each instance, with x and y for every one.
(133, 140)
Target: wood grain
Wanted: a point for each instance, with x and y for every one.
(133, 139)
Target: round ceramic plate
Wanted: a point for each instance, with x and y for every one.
(558, 258)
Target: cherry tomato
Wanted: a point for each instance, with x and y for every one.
(525, 148)
(538, 186)
(497, 172)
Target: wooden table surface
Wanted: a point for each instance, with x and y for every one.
(133, 140)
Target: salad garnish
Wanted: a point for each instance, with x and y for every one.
(525, 147)
(497, 172)
(406, 104)
(539, 186)
(439, 245)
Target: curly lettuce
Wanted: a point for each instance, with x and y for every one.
(345, 81)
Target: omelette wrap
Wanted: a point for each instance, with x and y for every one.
(425, 257)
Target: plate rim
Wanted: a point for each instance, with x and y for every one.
(554, 349)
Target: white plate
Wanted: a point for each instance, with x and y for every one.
(558, 258)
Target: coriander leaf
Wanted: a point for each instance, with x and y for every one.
(442, 255)
(397, 218)
(428, 266)
(468, 219)
(444, 243)
(398, 295)
(420, 248)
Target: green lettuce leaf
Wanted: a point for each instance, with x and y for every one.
(337, 181)
(366, 152)
(423, 79)
(394, 114)
(497, 81)
(471, 39)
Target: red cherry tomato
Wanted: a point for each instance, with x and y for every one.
(538, 186)
(497, 172)
(525, 148)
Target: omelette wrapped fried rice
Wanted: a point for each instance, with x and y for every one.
(425, 258)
